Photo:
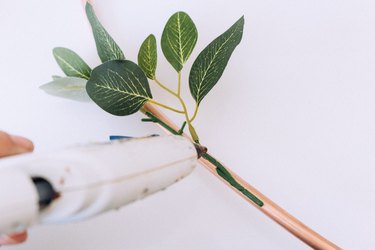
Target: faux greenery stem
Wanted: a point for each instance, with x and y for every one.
(179, 84)
(166, 106)
(165, 87)
(178, 96)
(187, 116)
(195, 112)
(223, 172)
(220, 169)
(263, 203)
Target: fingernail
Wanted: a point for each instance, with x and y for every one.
(23, 142)
(13, 239)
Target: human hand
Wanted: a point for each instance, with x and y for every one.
(12, 145)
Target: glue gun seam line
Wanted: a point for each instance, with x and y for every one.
(129, 177)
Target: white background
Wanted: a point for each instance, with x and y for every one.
(294, 115)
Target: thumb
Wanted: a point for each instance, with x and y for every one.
(23, 144)
(12, 145)
(13, 239)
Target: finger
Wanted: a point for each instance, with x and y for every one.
(11, 145)
(13, 239)
(23, 142)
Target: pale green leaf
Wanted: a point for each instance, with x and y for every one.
(71, 63)
(120, 87)
(147, 56)
(211, 62)
(107, 48)
(178, 39)
(55, 77)
(73, 88)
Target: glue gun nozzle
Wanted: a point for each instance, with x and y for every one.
(45, 191)
(200, 149)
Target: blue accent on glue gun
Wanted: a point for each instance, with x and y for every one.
(118, 137)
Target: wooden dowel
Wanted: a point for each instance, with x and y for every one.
(269, 208)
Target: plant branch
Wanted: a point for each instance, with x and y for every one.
(179, 84)
(165, 106)
(185, 111)
(195, 112)
(153, 118)
(221, 170)
(165, 88)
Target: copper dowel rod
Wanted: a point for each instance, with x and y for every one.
(273, 211)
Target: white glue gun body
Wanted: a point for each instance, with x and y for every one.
(81, 182)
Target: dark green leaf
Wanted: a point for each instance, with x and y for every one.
(71, 63)
(106, 46)
(178, 40)
(120, 87)
(211, 62)
(147, 56)
(73, 88)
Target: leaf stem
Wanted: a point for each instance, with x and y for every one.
(165, 87)
(179, 84)
(220, 169)
(226, 175)
(195, 112)
(155, 119)
(166, 106)
(181, 131)
(188, 121)
(178, 96)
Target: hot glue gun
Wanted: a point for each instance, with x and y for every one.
(80, 182)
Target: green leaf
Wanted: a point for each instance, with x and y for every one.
(55, 77)
(73, 88)
(211, 62)
(106, 46)
(178, 40)
(147, 56)
(71, 63)
(120, 87)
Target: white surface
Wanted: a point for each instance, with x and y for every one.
(294, 114)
